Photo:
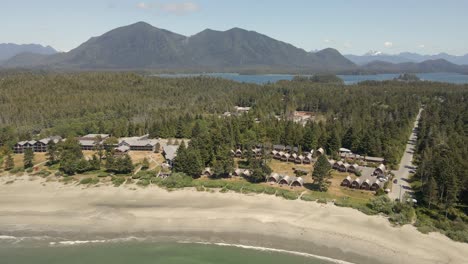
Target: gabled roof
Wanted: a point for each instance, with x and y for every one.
(170, 151)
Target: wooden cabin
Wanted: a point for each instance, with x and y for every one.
(238, 172)
(299, 159)
(380, 171)
(238, 153)
(286, 180)
(307, 159)
(356, 184)
(207, 172)
(347, 181)
(121, 150)
(297, 182)
(285, 157)
(273, 178)
(278, 155)
(337, 165)
(377, 184)
(320, 151)
(353, 168)
(365, 184)
(344, 167)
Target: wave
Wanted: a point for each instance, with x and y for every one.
(297, 253)
(82, 242)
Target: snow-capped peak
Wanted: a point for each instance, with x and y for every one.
(373, 53)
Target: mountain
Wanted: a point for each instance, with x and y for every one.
(439, 65)
(142, 46)
(9, 50)
(405, 57)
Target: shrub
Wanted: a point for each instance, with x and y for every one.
(177, 180)
(288, 195)
(89, 181)
(117, 181)
(236, 187)
(102, 174)
(58, 173)
(253, 188)
(16, 170)
(382, 204)
(202, 189)
(213, 183)
(269, 190)
(143, 182)
(308, 197)
(322, 200)
(43, 173)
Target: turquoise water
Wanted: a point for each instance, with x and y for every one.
(348, 79)
(145, 253)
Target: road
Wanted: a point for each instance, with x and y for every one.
(406, 165)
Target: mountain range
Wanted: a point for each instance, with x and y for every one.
(9, 50)
(141, 46)
(405, 57)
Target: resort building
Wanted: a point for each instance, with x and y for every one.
(347, 181)
(142, 143)
(36, 146)
(121, 150)
(273, 178)
(89, 141)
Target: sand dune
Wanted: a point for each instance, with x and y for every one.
(36, 206)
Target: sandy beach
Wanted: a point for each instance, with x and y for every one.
(30, 205)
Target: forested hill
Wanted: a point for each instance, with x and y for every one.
(142, 46)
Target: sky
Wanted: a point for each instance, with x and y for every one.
(351, 26)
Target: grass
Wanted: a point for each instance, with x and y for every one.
(89, 181)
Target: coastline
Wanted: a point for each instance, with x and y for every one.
(32, 206)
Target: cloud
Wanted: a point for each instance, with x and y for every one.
(177, 8)
(327, 40)
(143, 5)
(388, 44)
(347, 44)
(421, 46)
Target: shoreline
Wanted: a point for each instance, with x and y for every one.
(32, 206)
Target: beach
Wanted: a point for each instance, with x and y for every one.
(33, 206)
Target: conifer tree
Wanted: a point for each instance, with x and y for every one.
(321, 172)
(28, 158)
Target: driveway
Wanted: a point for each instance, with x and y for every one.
(406, 165)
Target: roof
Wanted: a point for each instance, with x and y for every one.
(345, 150)
(170, 151)
(278, 147)
(298, 179)
(287, 179)
(122, 148)
(381, 167)
(276, 176)
(135, 142)
(55, 139)
(320, 150)
(348, 178)
(86, 142)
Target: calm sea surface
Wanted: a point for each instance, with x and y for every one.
(146, 252)
(348, 79)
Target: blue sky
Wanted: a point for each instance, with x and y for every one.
(351, 26)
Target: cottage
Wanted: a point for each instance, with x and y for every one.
(288, 149)
(365, 184)
(320, 151)
(257, 152)
(307, 159)
(293, 157)
(297, 182)
(346, 181)
(380, 171)
(273, 178)
(374, 159)
(295, 150)
(279, 155)
(345, 151)
(207, 172)
(356, 184)
(170, 153)
(377, 185)
(274, 152)
(286, 180)
(344, 167)
(337, 165)
(238, 172)
(299, 159)
(246, 173)
(285, 157)
(238, 153)
(353, 168)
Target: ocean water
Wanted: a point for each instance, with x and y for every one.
(144, 252)
(348, 79)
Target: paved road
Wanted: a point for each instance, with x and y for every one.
(406, 165)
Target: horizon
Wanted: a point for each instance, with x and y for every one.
(373, 28)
